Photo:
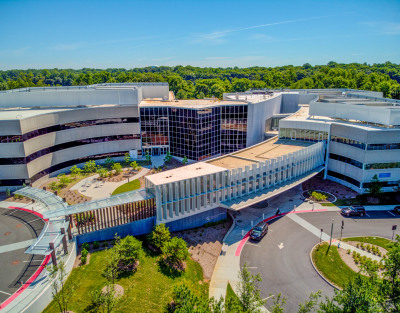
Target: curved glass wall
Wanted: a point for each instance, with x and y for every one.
(303, 134)
(76, 143)
(72, 125)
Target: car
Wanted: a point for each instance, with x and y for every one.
(354, 210)
(259, 231)
(397, 209)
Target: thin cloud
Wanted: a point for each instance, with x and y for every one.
(217, 36)
(384, 28)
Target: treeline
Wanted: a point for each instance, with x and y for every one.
(194, 82)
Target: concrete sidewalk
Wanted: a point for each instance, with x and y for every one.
(98, 191)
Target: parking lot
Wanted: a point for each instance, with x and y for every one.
(18, 230)
(282, 257)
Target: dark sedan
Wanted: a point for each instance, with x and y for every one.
(354, 210)
(259, 231)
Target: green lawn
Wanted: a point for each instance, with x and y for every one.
(230, 294)
(331, 265)
(147, 290)
(133, 185)
(377, 241)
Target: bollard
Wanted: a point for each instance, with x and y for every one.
(313, 206)
(242, 233)
(252, 224)
(294, 208)
(263, 216)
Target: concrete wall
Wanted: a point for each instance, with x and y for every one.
(257, 115)
(198, 220)
(290, 102)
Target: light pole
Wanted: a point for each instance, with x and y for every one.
(320, 236)
(341, 230)
(330, 241)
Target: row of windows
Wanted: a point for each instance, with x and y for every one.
(383, 146)
(344, 178)
(86, 141)
(60, 166)
(383, 184)
(72, 125)
(378, 166)
(349, 142)
(303, 134)
(345, 160)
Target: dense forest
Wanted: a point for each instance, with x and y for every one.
(194, 82)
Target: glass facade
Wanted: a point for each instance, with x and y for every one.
(383, 146)
(86, 141)
(195, 133)
(349, 142)
(345, 160)
(75, 161)
(233, 128)
(303, 134)
(72, 125)
(344, 178)
(378, 166)
(154, 123)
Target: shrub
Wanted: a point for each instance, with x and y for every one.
(358, 245)
(175, 251)
(96, 245)
(368, 248)
(317, 196)
(348, 251)
(117, 168)
(105, 244)
(85, 246)
(84, 253)
(362, 245)
(83, 259)
(159, 236)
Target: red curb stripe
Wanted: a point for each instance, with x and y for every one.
(246, 237)
(35, 275)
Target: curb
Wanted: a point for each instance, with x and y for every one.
(319, 273)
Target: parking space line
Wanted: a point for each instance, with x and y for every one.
(390, 213)
(6, 293)
(367, 214)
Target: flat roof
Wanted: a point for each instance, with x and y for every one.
(272, 149)
(191, 104)
(14, 114)
(230, 162)
(186, 172)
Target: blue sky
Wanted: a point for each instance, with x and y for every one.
(103, 34)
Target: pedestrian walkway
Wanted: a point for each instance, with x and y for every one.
(95, 189)
(16, 245)
(157, 161)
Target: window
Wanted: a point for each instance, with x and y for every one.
(345, 160)
(344, 178)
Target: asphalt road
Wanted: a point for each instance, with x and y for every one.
(16, 266)
(282, 257)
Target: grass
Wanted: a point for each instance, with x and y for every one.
(328, 204)
(230, 294)
(133, 185)
(147, 290)
(330, 264)
(377, 241)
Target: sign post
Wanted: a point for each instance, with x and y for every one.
(394, 227)
(320, 236)
(330, 241)
(341, 230)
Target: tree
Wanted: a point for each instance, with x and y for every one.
(63, 180)
(89, 167)
(62, 293)
(168, 157)
(127, 158)
(109, 162)
(103, 173)
(135, 166)
(117, 168)
(185, 161)
(375, 187)
(248, 291)
(106, 300)
(130, 250)
(159, 236)
(75, 171)
(175, 251)
(112, 269)
(148, 157)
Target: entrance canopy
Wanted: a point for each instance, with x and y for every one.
(49, 199)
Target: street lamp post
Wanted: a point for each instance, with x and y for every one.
(341, 230)
(330, 241)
